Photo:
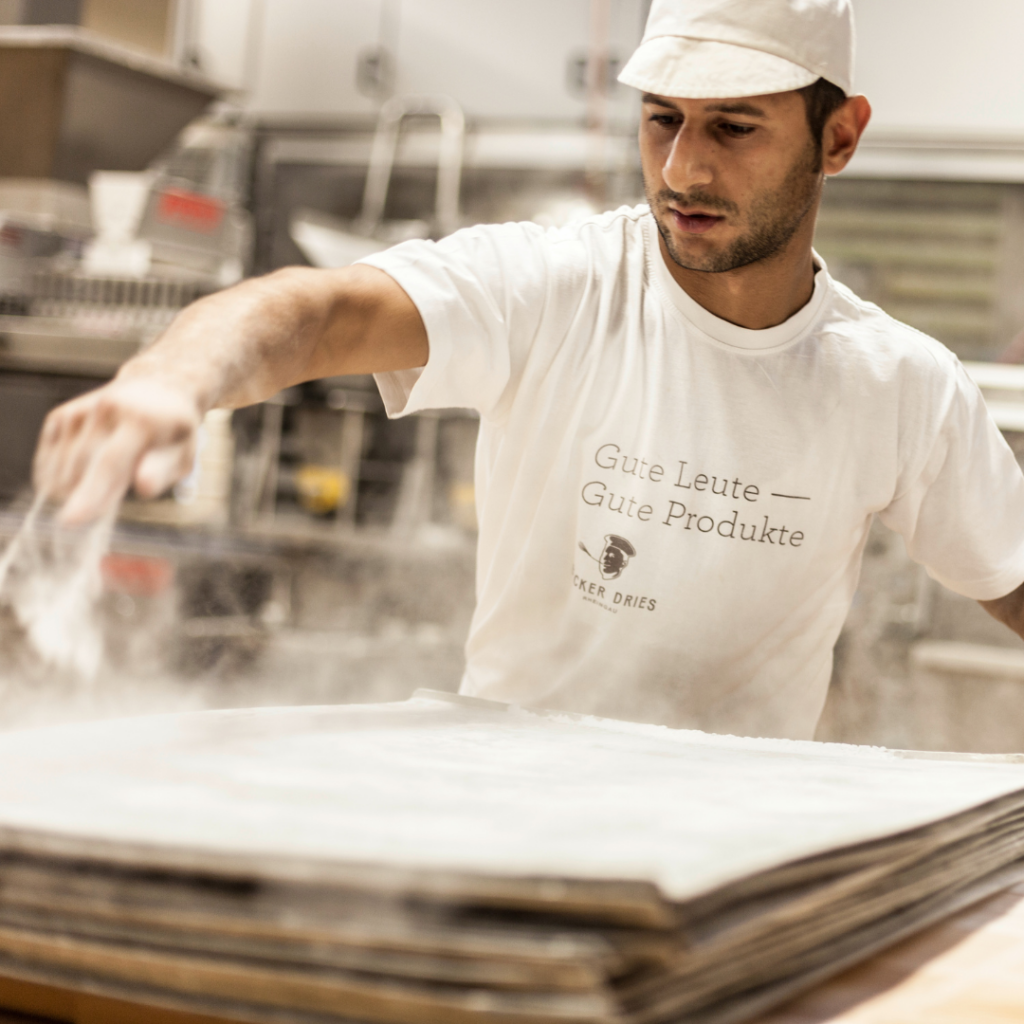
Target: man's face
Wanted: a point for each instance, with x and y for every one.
(730, 181)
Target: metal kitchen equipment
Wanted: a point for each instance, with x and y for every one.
(75, 103)
(328, 243)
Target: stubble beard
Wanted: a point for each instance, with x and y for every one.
(774, 218)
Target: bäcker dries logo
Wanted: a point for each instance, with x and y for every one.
(614, 557)
(611, 563)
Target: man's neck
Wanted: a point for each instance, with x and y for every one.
(757, 296)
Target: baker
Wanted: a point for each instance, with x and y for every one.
(699, 329)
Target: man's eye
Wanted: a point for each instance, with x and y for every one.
(738, 131)
(665, 120)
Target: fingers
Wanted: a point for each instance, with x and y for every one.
(76, 445)
(52, 471)
(163, 467)
(94, 448)
(106, 478)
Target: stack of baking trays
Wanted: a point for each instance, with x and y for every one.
(452, 861)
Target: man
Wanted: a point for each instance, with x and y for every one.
(686, 425)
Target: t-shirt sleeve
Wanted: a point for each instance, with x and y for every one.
(482, 294)
(961, 512)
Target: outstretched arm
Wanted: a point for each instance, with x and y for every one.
(229, 350)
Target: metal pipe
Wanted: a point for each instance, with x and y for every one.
(382, 160)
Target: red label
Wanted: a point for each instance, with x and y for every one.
(136, 575)
(190, 210)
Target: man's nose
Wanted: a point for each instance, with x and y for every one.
(689, 163)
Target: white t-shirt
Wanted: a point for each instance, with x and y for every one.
(672, 508)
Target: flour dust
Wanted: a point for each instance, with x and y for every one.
(51, 581)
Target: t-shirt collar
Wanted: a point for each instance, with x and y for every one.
(720, 331)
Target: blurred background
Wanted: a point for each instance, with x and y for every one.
(153, 151)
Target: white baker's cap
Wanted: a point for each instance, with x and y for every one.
(703, 49)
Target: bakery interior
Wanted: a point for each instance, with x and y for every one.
(154, 151)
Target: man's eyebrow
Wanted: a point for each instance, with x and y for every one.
(749, 109)
(658, 101)
(735, 108)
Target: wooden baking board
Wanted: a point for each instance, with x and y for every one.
(967, 970)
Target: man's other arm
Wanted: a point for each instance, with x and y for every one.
(1009, 610)
(228, 350)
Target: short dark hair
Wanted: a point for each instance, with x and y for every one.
(821, 100)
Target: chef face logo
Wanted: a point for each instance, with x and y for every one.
(614, 557)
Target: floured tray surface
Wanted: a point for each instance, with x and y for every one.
(448, 860)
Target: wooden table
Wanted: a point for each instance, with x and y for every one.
(967, 970)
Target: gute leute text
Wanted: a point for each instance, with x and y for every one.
(674, 511)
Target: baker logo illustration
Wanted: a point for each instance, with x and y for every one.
(614, 557)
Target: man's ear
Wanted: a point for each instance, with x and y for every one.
(842, 133)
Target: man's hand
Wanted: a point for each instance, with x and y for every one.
(139, 433)
(1009, 610)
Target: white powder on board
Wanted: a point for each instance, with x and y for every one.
(441, 785)
(51, 579)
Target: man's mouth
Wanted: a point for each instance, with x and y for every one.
(694, 222)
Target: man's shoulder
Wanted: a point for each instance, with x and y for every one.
(600, 241)
(889, 345)
(607, 230)
(625, 220)
(613, 230)
(601, 249)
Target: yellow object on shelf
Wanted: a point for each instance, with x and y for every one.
(322, 489)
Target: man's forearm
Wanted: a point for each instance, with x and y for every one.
(241, 346)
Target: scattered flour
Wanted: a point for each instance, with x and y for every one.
(50, 578)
